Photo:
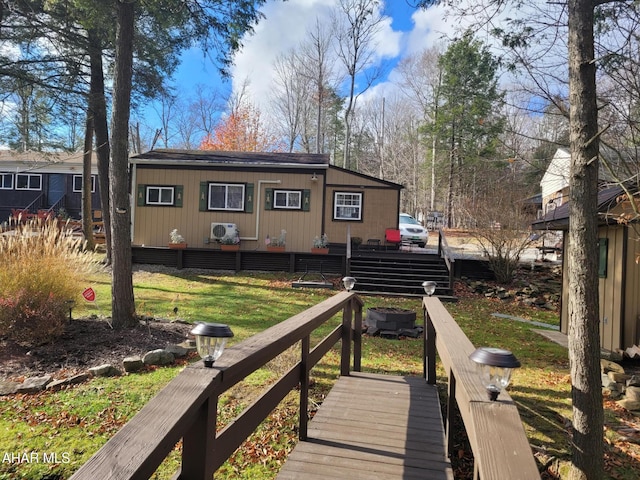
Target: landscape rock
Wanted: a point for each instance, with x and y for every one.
(619, 377)
(158, 357)
(633, 393)
(178, 351)
(106, 370)
(634, 381)
(630, 405)
(132, 364)
(75, 379)
(8, 388)
(608, 366)
(34, 384)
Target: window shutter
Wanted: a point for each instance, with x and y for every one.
(203, 200)
(141, 195)
(248, 200)
(268, 199)
(306, 200)
(178, 192)
(603, 244)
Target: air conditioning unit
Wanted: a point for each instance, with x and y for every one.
(219, 230)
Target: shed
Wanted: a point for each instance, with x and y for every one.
(258, 195)
(619, 273)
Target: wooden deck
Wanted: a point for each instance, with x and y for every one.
(373, 426)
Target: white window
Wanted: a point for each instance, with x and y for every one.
(160, 195)
(6, 181)
(77, 183)
(28, 181)
(347, 206)
(226, 196)
(287, 199)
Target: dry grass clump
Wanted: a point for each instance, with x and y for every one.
(42, 267)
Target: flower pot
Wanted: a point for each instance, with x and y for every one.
(274, 248)
(229, 248)
(320, 250)
(178, 246)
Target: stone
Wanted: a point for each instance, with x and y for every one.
(8, 387)
(158, 357)
(633, 393)
(608, 383)
(34, 384)
(619, 377)
(106, 370)
(634, 381)
(630, 405)
(178, 351)
(132, 364)
(608, 366)
(74, 380)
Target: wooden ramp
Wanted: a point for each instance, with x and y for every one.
(373, 426)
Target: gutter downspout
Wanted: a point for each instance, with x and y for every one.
(258, 205)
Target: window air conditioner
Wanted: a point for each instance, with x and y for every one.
(219, 230)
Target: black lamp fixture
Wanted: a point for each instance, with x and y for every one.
(349, 283)
(429, 287)
(211, 339)
(494, 367)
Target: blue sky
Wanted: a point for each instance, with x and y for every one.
(406, 30)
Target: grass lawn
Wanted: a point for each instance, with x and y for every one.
(70, 425)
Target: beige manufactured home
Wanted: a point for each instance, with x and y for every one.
(206, 195)
(618, 272)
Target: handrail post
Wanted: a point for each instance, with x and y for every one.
(357, 339)
(304, 388)
(429, 348)
(451, 405)
(345, 359)
(199, 441)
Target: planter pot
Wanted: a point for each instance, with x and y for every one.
(320, 250)
(273, 248)
(177, 246)
(229, 248)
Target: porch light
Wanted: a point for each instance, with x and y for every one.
(429, 287)
(211, 339)
(494, 368)
(349, 283)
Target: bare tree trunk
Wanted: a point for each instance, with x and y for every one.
(98, 108)
(582, 268)
(87, 215)
(122, 299)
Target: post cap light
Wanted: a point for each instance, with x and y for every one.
(349, 283)
(211, 339)
(429, 287)
(494, 367)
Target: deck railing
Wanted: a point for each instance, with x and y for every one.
(495, 431)
(187, 407)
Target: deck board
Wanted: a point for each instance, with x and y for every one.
(373, 426)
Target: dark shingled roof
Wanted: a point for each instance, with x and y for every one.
(246, 158)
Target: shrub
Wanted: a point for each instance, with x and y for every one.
(42, 264)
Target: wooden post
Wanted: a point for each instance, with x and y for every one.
(429, 360)
(345, 360)
(451, 405)
(304, 388)
(357, 339)
(198, 443)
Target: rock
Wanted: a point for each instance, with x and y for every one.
(619, 377)
(132, 364)
(106, 370)
(608, 366)
(630, 405)
(634, 381)
(8, 388)
(178, 350)
(158, 357)
(633, 393)
(58, 384)
(34, 384)
(609, 384)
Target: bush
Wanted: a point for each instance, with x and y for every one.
(42, 264)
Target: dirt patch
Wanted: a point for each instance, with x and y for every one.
(86, 343)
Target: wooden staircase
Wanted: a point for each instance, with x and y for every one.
(399, 273)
